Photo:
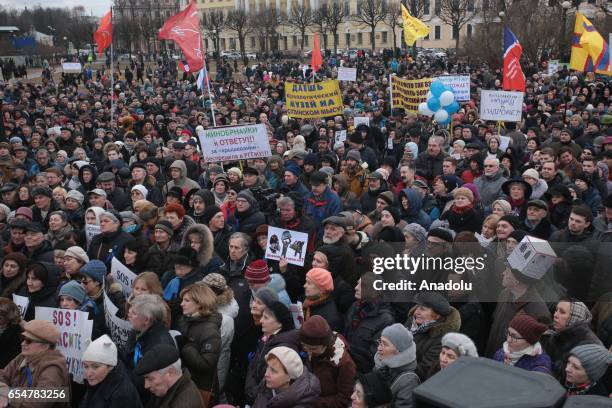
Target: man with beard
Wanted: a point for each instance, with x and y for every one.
(354, 173)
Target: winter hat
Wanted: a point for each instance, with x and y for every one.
(461, 344)
(434, 301)
(532, 173)
(41, 330)
(143, 190)
(74, 290)
(186, 256)
(472, 187)
(512, 220)
(95, 270)
(18, 257)
(261, 230)
(247, 195)
(266, 295)
(26, 212)
(175, 192)
(441, 233)
(518, 235)
(114, 215)
(76, 196)
(401, 338)
(528, 327)
(594, 358)
(579, 313)
(322, 279)
(416, 230)
(413, 148)
(257, 272)
(338, 145)
(391, 234)
(311, 159)
(216, 282)
(387, 196)
(158, 357)
(505, 205)
(451, 182)
(354, 154)
(102, 350)
(375, 388)
(290, 359)
(395, 213)
(236, 171)
(292, 167)
(464, 192)
(209, 212)
(282, 315)
(165, 226)
(316, 332)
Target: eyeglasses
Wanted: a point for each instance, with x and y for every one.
(513, 337)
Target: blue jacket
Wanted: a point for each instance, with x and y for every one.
(592, 199)
(540, 363)
(319, 208)
(415, 212)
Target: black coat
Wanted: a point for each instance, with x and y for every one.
(43, 253)
(10, 344)
(47, 296)
(330, 313)
(471, 220)
(201, 347)
(249, 220)
(543, 230)
(119, 199)
(106, 245)
(115, 391)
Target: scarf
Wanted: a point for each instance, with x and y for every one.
(421, 328)
(309, 303)
(578, 389)
(360, 313)
(463, 210)
(172, 289)
(512, 357)
(517, 203)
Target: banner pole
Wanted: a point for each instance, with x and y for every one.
(391, 91)
(112, 73)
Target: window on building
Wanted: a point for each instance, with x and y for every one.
(223, 47)
(470, 6)
(455, 33)
(285, 38)
(469, 31)
(592, 1)
(336, 39)
(206, 43)
(347, 7)
(437, 7)
(385, 35)
(360, 38)
(347, 39)
(358, 6)
(306, 40)
(294, 40)
(252, 42)
(426, 7)
(437, 30)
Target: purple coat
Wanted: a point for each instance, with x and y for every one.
(540, 363)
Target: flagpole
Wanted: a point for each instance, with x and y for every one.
(112, 74)
(391, 91)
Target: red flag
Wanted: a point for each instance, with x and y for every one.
(317, 59)
(514, 79)
(184, 29)
(104, 35)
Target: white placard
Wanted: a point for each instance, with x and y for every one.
(288, 244)
(71, 67)
(75, 329)
(123, 275)
(340, 136)
(460, 85)
(90, 232)
(119, 329)
(553, 67)
(235, 143)
(298, 314)
(504, 143)
(347, 74)
(22, 303)
(504, 106)
(358, 120)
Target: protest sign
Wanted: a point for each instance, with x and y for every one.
(361, 119)
(340, 136)
(504, 106)
(22, 303)
(90, 232)
(409, 93)
(119, 329)
(347, 74)
(75, 329)
(235, 143)
(504, 143)
(297, 312)
(288, 244)
(553, 67)
(123, 275)
(460, 84)
(318, 100)
(71, 67)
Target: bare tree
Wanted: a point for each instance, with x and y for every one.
(370, 14)
(416, 8)
(334, 17)
(394, 20)
(300, 20)
(238, 21)
(320, 20)
(456, 13)
(79, 30)
(265, 25)
(213, 22)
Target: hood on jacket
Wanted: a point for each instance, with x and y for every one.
(277, 282)
(415, 201)
(446, 324)
(231, 309)
(304, 391)
(207, 248)
(94, 176)
(342, 181)
(98, 211)
(53, 274)
(179, 164)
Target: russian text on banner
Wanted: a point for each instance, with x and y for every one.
(318, 100)
(409, 93)
(235, 143)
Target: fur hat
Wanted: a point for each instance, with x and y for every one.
(461, 344)
(316, 332)
(102, 350)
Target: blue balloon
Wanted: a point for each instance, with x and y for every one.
(433, 103)
(446, 122)
(437, 88)
(452, 108)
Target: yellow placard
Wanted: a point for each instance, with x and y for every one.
(314, 100)
(409, 93)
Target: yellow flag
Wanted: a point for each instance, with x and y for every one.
(589, 50)
(413, 27)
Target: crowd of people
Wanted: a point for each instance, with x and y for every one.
(213, 321)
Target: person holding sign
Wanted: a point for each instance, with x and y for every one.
(10, 331)
(39, 365)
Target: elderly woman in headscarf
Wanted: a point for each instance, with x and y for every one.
(415, 237)
(571, 327)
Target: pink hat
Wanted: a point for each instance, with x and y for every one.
(322, 279)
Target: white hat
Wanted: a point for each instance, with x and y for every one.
(102, 350)
(289, 359)
(460, 344)
(143, 190)
(533, 173)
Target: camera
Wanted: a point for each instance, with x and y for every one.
(266, 198)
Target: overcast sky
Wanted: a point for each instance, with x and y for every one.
(95, 7)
